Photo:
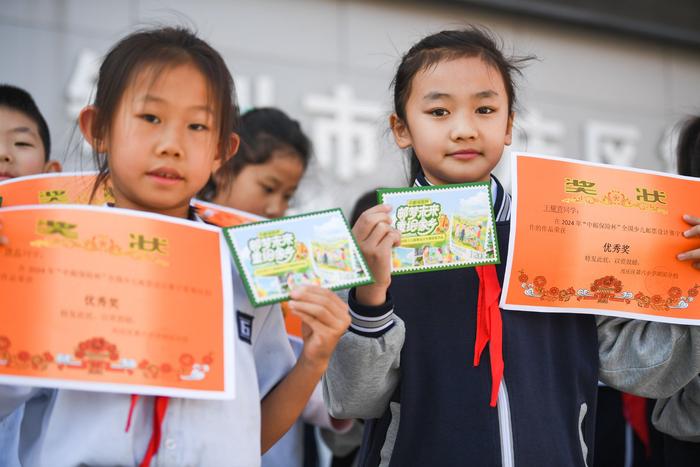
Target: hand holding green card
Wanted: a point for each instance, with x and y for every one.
(442, 227)
(276, 256)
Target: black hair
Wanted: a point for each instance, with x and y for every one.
(472, 41)
(20, 100)
(689, 148)
(156, 50)
(262, 131)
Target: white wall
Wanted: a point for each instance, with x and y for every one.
(632, 90)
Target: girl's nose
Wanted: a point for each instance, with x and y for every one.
(275, 207)
(169, 144)
(5, 154)
(464, 128)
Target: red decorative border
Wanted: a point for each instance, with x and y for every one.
(606, 289)
(99, 356)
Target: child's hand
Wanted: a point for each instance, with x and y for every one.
(376, 237)
(693, 232)
(324, 319)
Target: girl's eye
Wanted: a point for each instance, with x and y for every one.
(267, 189)
(485, 110)
(24, 144)
(288, 196)
(150, 118)
(198, 127)
(439, 112)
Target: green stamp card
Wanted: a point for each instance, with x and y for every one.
(442, 227)
(276, 256)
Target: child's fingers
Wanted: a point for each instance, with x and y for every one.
(327, 307)
(325, 328)
(690, 255)
(694, 231)
(692, 220)
(379, 234)
(393, 238)
(369, 219)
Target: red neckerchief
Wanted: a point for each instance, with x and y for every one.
(634, 409)
(489, 327)
(160, 406)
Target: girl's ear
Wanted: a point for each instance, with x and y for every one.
(234, 143)
(509, 129)
(400, 130)
(85, 122)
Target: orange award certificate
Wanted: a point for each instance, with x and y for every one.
(599, 239)
(223, 216)
(53, 188)
(114, 300)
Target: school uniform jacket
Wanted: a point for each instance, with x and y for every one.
(62, 427)
(407, 367)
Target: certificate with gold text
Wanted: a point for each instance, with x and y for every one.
(53, 188)
(599, 239)
(105, 299)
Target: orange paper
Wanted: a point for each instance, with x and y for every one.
(115, 300)
(591, 238)
(53, 188)
(223, 216)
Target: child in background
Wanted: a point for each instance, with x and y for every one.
(25, 148)
(25, 142)
(264, 176)
(661, 360)
(261, 179)
(410, 362)
(162, 122)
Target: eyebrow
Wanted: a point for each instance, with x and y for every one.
(436, 95)
(24, 129)
(152, 98)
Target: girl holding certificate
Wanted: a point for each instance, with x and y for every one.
(411, 362)
(162, 122)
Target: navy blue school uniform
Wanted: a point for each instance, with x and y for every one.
(407, 367)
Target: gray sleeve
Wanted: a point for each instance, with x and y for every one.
(364, 372)
(679, 415)
(647, 358)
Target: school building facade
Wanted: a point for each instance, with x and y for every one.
(611, 80)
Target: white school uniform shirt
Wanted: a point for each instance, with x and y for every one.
(70, 428)
(289, 450)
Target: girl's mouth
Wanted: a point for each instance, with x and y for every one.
(5, 176)
(165, 175)
(465, 155)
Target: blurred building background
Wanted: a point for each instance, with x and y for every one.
(612, 80)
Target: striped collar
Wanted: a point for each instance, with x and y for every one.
(501, 198)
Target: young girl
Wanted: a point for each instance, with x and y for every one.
(161, 123)
(261, 179)
(408, 361)
(266, 172)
